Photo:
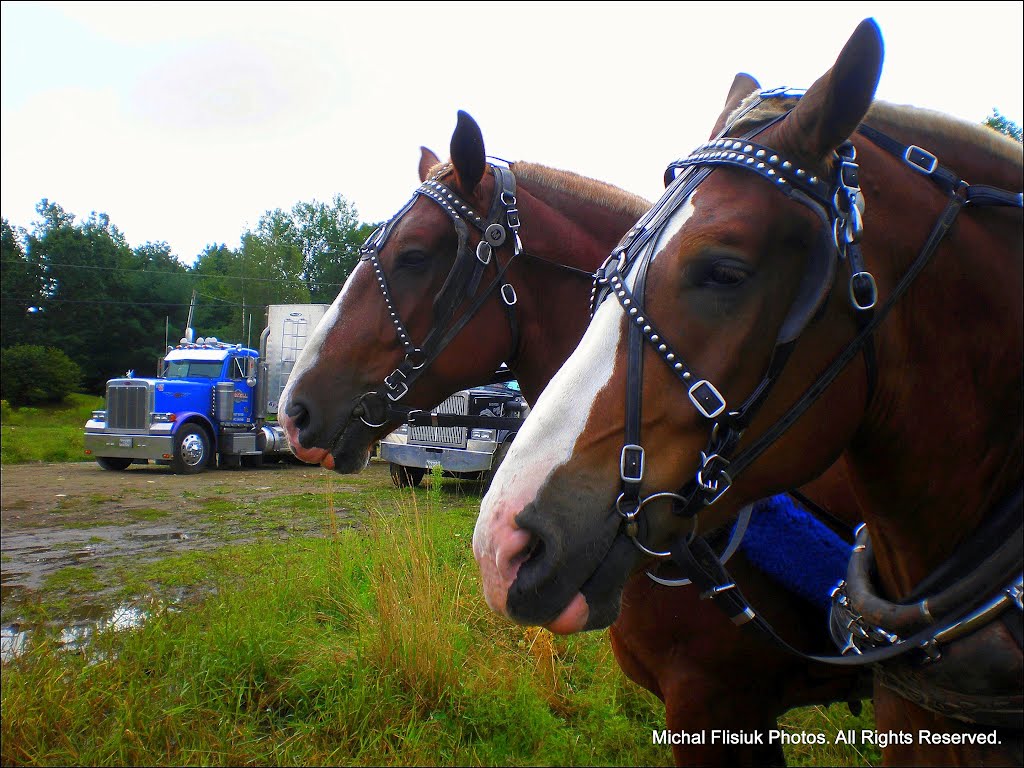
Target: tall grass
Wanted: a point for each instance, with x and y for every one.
(368, 647)
(49, 433)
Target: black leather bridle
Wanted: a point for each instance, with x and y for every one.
(500, 226)
(839, 204)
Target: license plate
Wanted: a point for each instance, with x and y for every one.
(432, 464)
(124, 442)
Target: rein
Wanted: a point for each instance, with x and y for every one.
(839, 204)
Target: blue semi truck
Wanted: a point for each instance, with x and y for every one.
(212, 403)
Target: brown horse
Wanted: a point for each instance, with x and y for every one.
(668, 640)
(733, 275)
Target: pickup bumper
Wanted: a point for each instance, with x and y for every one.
(450, 459)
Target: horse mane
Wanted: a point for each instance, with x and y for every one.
(936, 125)
(581, 187)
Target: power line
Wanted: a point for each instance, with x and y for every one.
(190, 275)
(44, 302)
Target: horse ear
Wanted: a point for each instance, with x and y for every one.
(742, 86)
(427, 161)
(468, 153)
(836, 103)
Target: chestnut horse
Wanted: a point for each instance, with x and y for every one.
(729, 288)
(675, 645)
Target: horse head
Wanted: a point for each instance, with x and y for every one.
(446, 291)
(710, 290)
(414, 272)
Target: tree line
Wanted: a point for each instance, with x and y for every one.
(80, 288)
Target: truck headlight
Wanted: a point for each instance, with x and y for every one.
(482, 434)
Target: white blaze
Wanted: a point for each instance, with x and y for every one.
(310, 354)
(556, 422)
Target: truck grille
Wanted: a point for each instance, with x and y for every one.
(127, 406)
(450, 437)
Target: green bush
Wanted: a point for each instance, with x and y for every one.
(31, 374)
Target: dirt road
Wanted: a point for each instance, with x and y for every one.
(57, 515)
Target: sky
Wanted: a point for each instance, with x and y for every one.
(185, 122)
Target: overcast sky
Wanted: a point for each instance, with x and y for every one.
(185, 122)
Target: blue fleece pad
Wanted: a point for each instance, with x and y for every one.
(789, 544)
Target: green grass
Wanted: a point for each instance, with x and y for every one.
(74, 579)
(50, 433)
(368, 645)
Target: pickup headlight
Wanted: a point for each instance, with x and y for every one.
(482, 434)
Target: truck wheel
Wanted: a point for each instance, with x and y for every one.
(406, 476)
(191, 450)
(114, 463)
(499, 456)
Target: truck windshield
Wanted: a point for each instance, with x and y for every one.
(193, 369)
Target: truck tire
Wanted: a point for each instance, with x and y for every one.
(406, 476)
(499, 456)
(191, 450)
(114, 463)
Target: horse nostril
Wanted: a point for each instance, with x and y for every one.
(299, 415)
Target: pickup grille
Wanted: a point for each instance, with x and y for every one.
(127, 406)
(449, 437)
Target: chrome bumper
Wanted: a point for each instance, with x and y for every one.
(129, 446)
(450, 459)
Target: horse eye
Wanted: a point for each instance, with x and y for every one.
(725, 274)
(414, 260)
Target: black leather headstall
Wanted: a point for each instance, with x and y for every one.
(838, 202)
(462, 284)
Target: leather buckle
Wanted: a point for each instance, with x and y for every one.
(848, 175)
(721, 488)
(921, 160)
(863, 290)
(396, 391)
(706, 399)
(483, 252)
(631, 464)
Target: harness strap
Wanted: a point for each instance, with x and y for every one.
(840, 205)
(925, 162)
(816, 390)
(717, 584)
(837, 526)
